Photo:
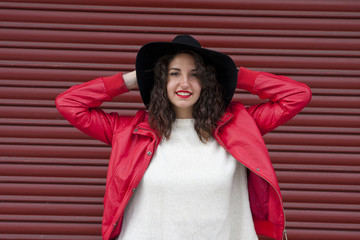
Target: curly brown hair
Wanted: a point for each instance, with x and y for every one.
(207, 111)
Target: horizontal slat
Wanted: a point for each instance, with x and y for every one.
(52, 218)
(52, 180)
(325, 120)
(321, 234)
(66, 56)
(46, 236)
(54, 170)
(175, 20)
(301, 129)
(51, 142)
(51, 209)
(313, 139)
(318, 177)
(55, 160)
(41, 132)
(248, 61)
(50, 199)
(314, 149)
(317, 168)
(50, 75)
(330, 111)
(319, 187)
(333, 82)
(321, 197)
(321, 5)
(135, 48)
(55, 151)
(209, 41)
(328, 226)
(8, 94)
(106, 59)
(322, 216)
(50, 103)
(42, 113)
(293, 62)
(52, 190)
(84, 46)
(322, 206)
(182, 30)
(335, 101)
(34, 83)
(50, 228)
(33, 122)
(334, 92)
(187, 11)
(64, 65)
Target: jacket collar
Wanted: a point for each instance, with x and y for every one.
(224, 119)
(145, 129)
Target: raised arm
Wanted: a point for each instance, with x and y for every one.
(286, 97)
(80, 104)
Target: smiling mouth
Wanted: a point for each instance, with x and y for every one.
(183, 94)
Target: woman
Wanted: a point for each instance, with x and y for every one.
(210, 175)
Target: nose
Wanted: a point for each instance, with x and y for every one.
(184, 81)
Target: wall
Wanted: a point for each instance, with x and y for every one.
(52, 177)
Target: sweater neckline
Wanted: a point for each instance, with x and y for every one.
(184, 122)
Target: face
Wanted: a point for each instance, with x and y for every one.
(183, 85)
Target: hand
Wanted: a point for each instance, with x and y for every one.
(130, 80)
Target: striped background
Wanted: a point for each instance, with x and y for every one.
(52, 177)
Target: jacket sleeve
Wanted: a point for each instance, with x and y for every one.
(286, 97)
(80, 106)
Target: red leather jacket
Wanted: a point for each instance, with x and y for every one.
(239, 131)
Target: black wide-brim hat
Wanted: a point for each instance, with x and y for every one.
(226, 72)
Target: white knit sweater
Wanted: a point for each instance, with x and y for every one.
(191, 190)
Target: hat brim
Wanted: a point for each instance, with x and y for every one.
(226, 72)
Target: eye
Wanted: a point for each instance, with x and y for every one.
(174, 74)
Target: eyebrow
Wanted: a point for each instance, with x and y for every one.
(178, 69)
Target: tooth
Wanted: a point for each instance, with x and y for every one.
(183, 93)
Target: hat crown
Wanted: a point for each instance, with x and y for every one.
(187, 40)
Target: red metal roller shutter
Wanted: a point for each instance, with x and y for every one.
(52, 177)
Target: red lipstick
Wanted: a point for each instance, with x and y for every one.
(183, 94)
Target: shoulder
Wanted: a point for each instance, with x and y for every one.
(130, 122)
(235, 107)
(239, 115)
(239, 126)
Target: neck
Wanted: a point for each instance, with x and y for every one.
(183, 113)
